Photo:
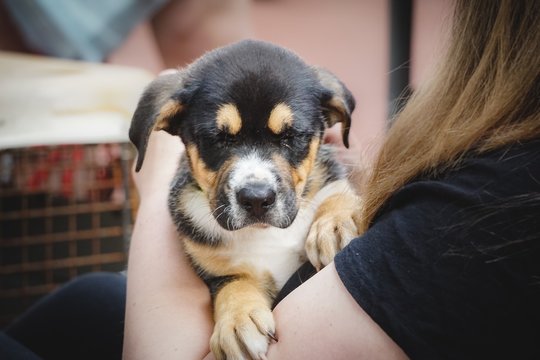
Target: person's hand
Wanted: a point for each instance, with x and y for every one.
(163, 293)
(160, 163)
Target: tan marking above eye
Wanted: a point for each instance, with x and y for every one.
(281, 117)
(228, 118)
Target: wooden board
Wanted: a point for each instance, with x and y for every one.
(46, 101)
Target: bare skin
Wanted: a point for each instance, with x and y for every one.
(168, 306)
(168, 312)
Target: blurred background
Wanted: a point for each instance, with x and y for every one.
(71, 72)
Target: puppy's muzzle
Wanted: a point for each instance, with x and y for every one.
(256, 199)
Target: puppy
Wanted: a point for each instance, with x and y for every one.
(256, 193)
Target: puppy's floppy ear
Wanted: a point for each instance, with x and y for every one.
(337, 102)
(159, 104)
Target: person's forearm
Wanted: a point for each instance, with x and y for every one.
(168, 307)
(321, 320)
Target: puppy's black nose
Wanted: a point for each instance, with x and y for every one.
(256, 199)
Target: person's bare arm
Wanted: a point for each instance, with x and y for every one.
(168, 312)
(321, 320)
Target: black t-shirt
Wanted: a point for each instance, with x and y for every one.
(450, 268)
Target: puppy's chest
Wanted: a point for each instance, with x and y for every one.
(279, 252)
(266, 250)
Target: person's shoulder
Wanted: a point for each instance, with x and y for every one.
(511, 170)
(508, 170)
(510, 158)
(506, 173)
(444, 246)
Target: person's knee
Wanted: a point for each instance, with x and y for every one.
(98, 280)
(97, 287)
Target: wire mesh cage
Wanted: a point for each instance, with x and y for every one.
(64, 211)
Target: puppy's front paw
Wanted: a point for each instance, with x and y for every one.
(243, 333)
(333, 228)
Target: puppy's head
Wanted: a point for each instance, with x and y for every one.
(251, 116)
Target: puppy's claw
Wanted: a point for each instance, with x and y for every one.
(272, 336)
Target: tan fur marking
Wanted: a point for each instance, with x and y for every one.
(210, 259)
(221, 175)
(239, 292)
(244, 321)
(204, 177)
(284, 168)
(301, 173)
(335, 225)
(228, 118)
(167, 111)
(280, 118)
(347, 202)
(316, 181)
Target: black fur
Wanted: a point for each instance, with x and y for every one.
(256, 174)
(255, 76)
(333, 170)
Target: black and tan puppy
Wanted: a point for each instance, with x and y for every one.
(256, 193)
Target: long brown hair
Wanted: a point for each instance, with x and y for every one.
(484, 94)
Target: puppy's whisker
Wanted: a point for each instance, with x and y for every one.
(217, 209)
(209, 216)
(225, 208)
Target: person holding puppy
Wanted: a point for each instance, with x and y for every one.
(448, 263)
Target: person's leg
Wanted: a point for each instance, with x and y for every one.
(83, 319)
(11, 349)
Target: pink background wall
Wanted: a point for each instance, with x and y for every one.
(350, 38)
